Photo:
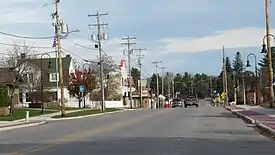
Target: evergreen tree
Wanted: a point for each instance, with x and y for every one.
(238, 68)
(153, 83)
(238, 65)
(135, 73)
(228, 65)
(263, 62)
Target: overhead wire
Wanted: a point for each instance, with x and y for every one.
(72, 53)
(86, 47)
(144, 71)
(9, 44)
(25, 37)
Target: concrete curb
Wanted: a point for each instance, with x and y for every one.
(21, 125)
(245, 118)
(259, 125)
(227, 108)
(133, 109)
(78, 117)
(266, 129)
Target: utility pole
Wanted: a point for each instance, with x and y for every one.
(169, 87)
(211, 86)
(98, 45)
(269, 59)
(192, 87)
(225, 77)
(129, 52)
(162, 83)
(162, 80)
(140, 56)
(157, 93)
(235, 87)
(173, 86)
(58, 37)
(243, 83)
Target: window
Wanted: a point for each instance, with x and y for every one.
(53, 77)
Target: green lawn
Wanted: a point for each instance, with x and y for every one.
(21, 113)
(87, 112)
(66, 109)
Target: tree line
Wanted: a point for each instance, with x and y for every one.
(238, 76)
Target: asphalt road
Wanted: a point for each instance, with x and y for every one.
(205, 130)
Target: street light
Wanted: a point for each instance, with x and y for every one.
(256, 73)
(270, 69)
(42, 89)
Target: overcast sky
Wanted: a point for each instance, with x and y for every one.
(186, 35)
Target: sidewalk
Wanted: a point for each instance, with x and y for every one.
(33, 121)
(5, 125)
(47, 117)
(263, 118)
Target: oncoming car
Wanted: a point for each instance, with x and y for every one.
(191, 100)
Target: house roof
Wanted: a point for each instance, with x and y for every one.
(66, 62)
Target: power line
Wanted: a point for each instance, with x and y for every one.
(25, 37)
(9, 44)
(144, 70)
(85, 47)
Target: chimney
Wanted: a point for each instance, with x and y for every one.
(23, 55)
(68, 55)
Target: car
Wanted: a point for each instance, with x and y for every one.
(191, 100)
(177, 102)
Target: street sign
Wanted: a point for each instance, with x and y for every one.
(81, 88)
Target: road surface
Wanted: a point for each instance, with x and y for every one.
(205, 130)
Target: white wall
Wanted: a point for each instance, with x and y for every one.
(109, 104)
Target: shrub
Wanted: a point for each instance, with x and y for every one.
(4, 98)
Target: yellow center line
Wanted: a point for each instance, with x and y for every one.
(87, 133)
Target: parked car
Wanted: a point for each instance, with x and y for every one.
(177, 102)
(191, 100)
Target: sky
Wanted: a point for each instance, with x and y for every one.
(186, 35)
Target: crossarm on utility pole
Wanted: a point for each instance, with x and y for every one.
(99, 38)
(129, 52)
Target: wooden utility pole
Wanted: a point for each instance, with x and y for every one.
(157, 93)
(99, 38)
(140, 56)
(58, 37)
(211, 86)
(169, 85)
(173, 86)
(129, 53)
(162, 80)
(225, 77)
(269, 61)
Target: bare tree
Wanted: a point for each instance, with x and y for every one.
(108, 65)
(111, 82)
(113, 87)
(15, 62)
